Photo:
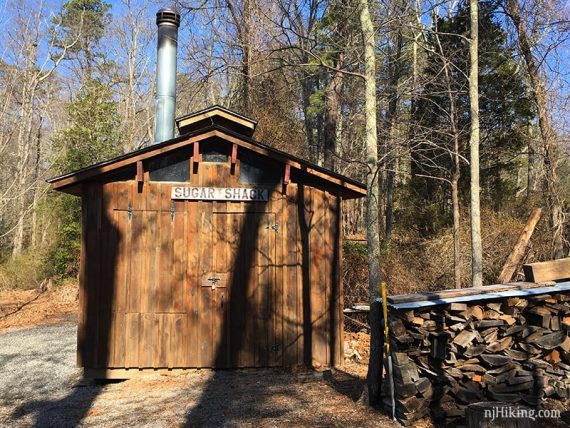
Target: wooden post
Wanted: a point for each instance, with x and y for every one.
(286, 178)
(234, 153)
(514, 260)
(196, 154)
(140, 172)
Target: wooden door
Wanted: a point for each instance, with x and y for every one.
(149, 322)
(237, 291)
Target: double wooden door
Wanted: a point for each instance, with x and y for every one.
(238, 326)
(191, 288)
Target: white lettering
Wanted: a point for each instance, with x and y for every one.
(220, 193)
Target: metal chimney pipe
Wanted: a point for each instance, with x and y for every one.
(168, 21)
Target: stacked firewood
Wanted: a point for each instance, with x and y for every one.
(450, 355)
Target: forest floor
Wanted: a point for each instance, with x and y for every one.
(42, 387)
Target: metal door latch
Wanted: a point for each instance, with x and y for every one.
(130, 211)
(275, 227)
(172, 211)
(214, 280)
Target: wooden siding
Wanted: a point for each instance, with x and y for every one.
(145, 298)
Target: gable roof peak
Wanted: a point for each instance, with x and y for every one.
(216, 115)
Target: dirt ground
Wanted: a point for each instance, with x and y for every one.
(42, 387)
(22, 308)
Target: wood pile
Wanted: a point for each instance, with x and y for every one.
(514, 350)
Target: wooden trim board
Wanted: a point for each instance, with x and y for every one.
(472, 291)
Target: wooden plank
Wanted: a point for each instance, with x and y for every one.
(340, 286)
(147, 341)
(291, 319)
(137, 260)
(250, 282)
(318, 279)
(179, 281)
(194, 295)
(234, 290)
(552, 270)
(149, 277)
(89, 344)
(132, 325)
(108, 259)
(302, 212)
(206, 269)
(219, 294)
(234, 153)
(121, 224)
(178, 341)
(277, 265)
(334, 286)
(445, 294)
(164, 333)
(83, 284)
(119, 340)
(514, 260)
(328, 272)
(164, 290)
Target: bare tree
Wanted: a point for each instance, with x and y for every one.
(527, 36)
(372, 201)
(26, 37)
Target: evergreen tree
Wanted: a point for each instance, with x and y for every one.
(505, 113)
(91, 137)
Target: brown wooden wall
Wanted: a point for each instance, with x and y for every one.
(146, 301)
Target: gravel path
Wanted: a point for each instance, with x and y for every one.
(39, 386)
(37, 362)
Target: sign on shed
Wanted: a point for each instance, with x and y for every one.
(238, 194)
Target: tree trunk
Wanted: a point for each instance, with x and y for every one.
(332, 114)
(456, 171)
(547, 133)
(392, 116)
(372, 202)
(474, 188)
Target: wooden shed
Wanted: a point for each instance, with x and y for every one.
(209, 250)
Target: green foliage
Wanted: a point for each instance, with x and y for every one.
(354, 250)
(62, 258)
(80, 26)
(506, 113)
(24, 271)
(91, 137)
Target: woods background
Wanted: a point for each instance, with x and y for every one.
(76, 87)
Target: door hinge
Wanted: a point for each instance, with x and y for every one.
(130, 211)
(171, 211)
